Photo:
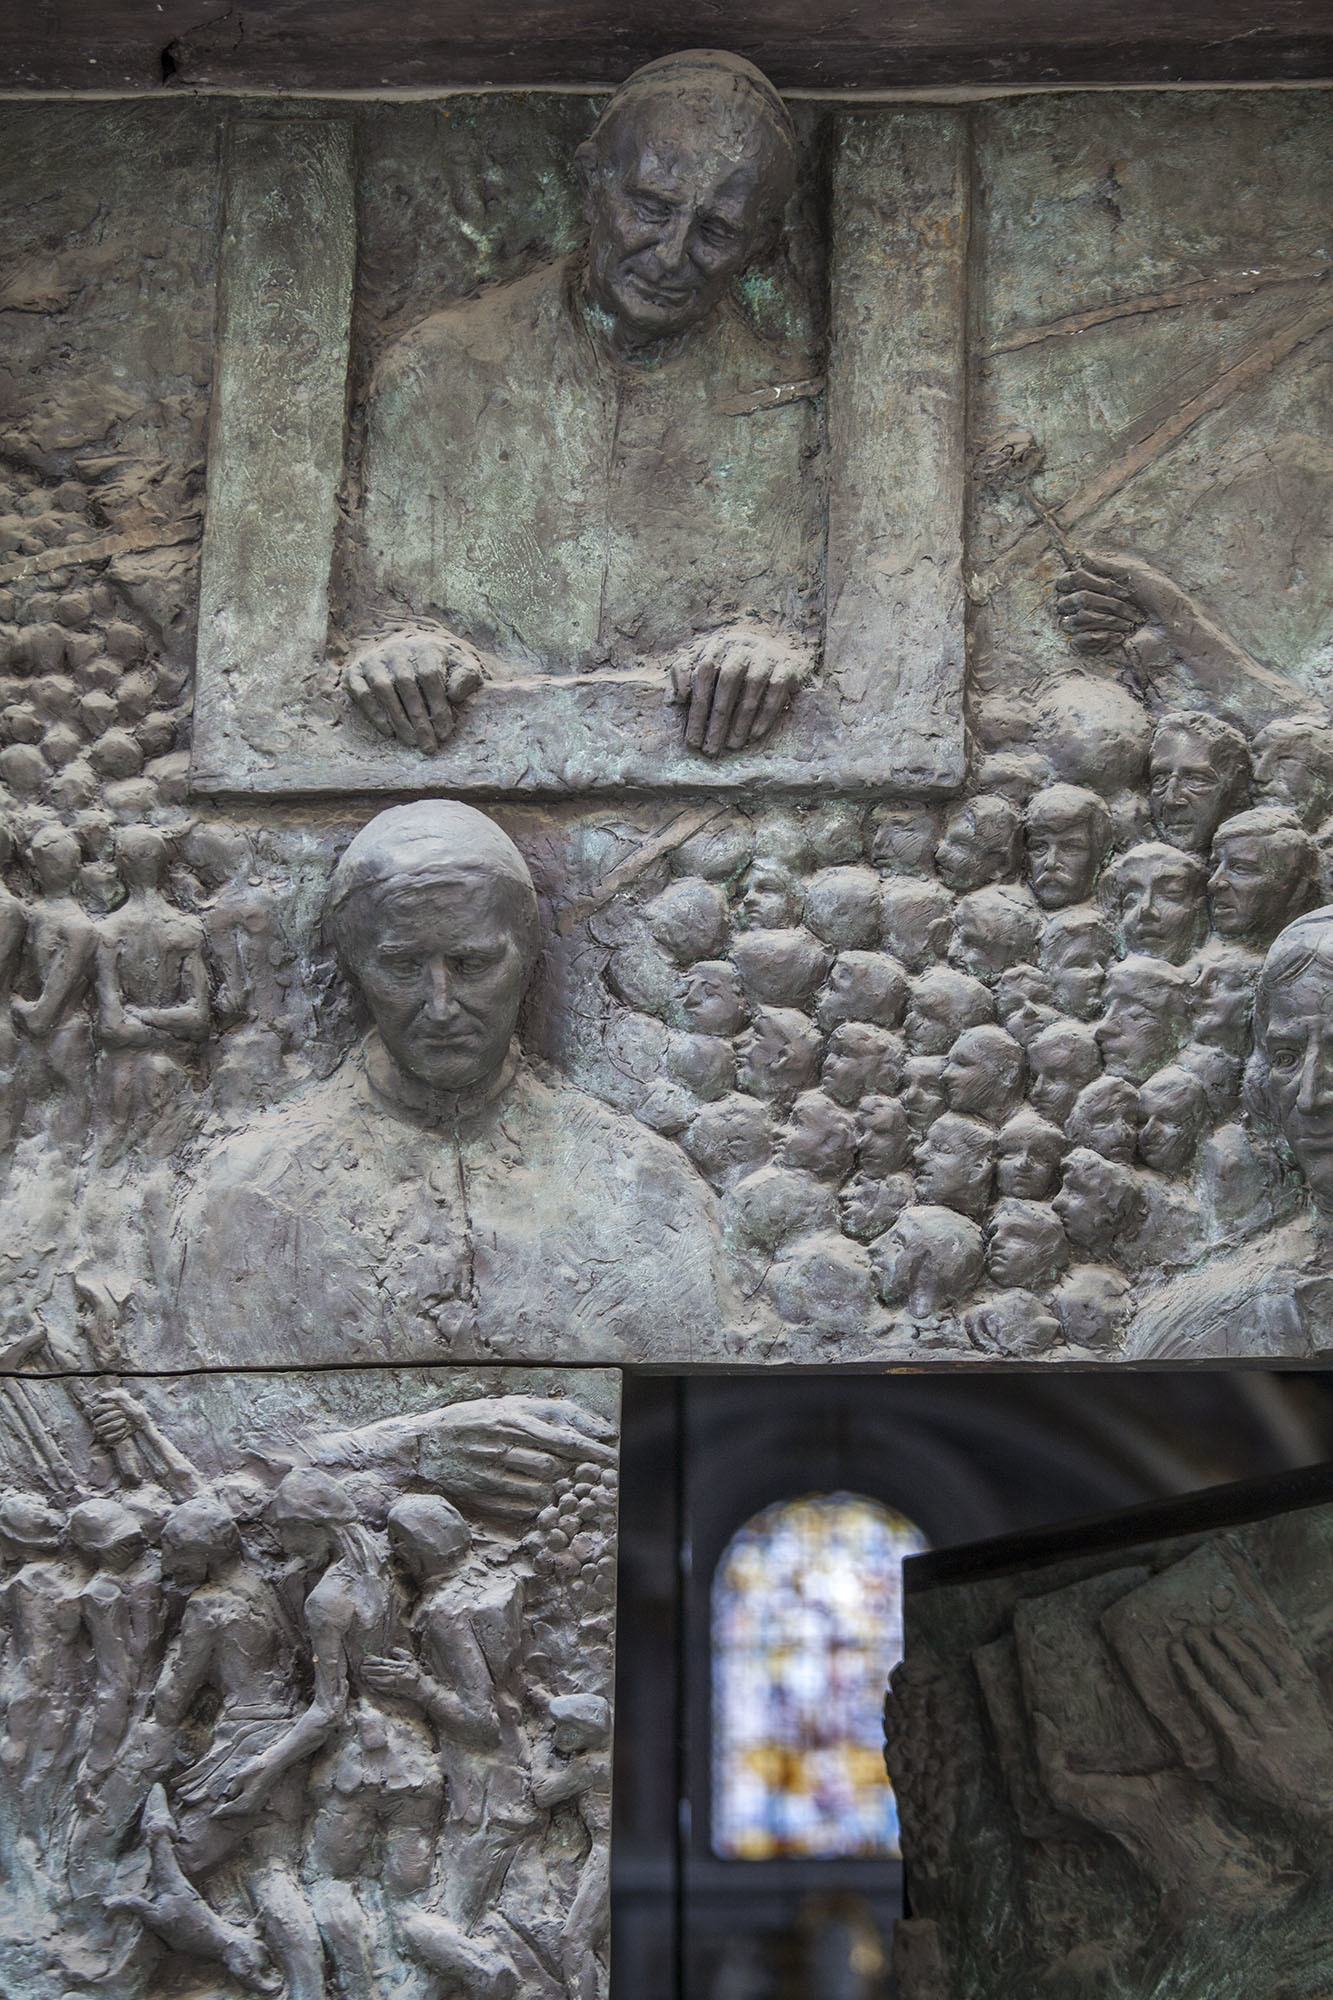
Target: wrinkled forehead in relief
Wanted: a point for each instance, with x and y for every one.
(432, 844)
(1305, 946)
(704, 102)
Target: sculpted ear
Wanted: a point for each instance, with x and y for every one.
(587, 162)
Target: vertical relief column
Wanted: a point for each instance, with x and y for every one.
(897, 413)
(308, 1683)
(278, 422)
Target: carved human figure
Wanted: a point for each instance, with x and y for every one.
(13, 932)
(729, 1138)
(1293, 766)
(1173, 1113)
(1092, 1303)
(1160, 893)
(1101, 1203)
(1029, 1153)
(1025, 1002)
(820, 1138)
(711, 1001)
(780, 968)
(1291, 1076)
(943, 1003)
(1026, 1245)
(770, 898)
(466, 1629)
(579, 1771)
(954, 1163)
(547, 482)
(980, 844)
(253, 964)
(124, 1614)
(918, 921)
(61, 944)
(153, 1001)
(1105, 1118)
(778, 1055)
(1076, 948)
(1062, 1061)
(861, 1060)
(42, 1668)
(1143, 1021)
(842, 907)
(868, 1204)
(930, 1260)
(922, 1091)
(1014, 1322)
(372, 1774)
(1264, 869)
(1221, 995)
(994, 929)
(884, 1135)
(233, 1647)
(1067, 835)
(984, 1073)
(1198, 775)
(863, 986)
(388, 1208)
(903, 839)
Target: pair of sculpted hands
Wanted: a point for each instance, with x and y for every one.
(733, 685)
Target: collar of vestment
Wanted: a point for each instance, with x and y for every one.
(420, 1103)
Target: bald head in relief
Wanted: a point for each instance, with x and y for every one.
(434, 918)
(435, 1195)
(604, 462)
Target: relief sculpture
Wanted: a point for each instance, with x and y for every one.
(549, 472)
(1017, 1057)
(292, 1706)
(1134, 1749)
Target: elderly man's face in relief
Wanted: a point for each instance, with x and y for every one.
(678, 188)
(442, 967)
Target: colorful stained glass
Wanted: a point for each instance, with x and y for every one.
(807, 1623)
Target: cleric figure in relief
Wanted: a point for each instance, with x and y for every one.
(602, 465)
(1272, 1295)
(438, 1195)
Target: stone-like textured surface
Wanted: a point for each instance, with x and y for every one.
(857, 1080)
(307, 1679)
(1114, 1759)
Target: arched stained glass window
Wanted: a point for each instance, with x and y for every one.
(807, 1623)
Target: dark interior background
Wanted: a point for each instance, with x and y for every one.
(964, 1459)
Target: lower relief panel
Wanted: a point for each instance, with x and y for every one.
(306, 1684)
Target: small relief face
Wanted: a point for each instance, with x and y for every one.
(1298, 1042)
(1161, 905)
(776, 1056)
(1187, 794)
(1285, 776)
(1137, 1031)
(861, 1061)
(1241, 888)
(1076, 965)
(953, 1164)
(1028, 1161)
(1025, 1245)
(1063, 856)
(1105, 1118)
(821, 1138)
(710, 999)
(976, 849)
(1089, 1202)
(442, 968)
(675, 209)
(884, 1135)
(1222, 999)
(922, 1093)
(1171, 1118)
(868, 1205)
(770, 899)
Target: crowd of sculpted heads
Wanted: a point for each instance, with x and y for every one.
(321, 1709)
(996, 1065)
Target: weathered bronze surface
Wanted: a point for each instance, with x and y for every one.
(670, 730)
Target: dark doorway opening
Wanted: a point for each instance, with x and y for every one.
(961, 1459)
